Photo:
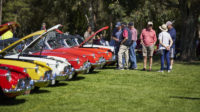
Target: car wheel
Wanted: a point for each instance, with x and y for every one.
(91, 70)
(36, 89)
(75, 76)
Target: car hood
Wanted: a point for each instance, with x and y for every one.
(5, 27)
(87, 39)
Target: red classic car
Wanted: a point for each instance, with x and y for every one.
(63, 39)
(105, 53)
(54, 43)
(14, 81)
(79, 63)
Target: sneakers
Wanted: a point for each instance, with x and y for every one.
(161, 71)
(119, 68)
(144, 69)
(133, 68)
(170, 67)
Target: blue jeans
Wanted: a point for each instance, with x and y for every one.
(132, 55)
(165, 55)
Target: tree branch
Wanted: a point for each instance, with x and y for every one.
(169, 3)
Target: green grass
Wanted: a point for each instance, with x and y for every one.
(110, 90)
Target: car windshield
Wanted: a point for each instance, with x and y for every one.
(18, 47)
(54, 40)
(50, 41)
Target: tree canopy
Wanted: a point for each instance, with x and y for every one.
(76, 15)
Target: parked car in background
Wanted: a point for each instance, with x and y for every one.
(79, 63)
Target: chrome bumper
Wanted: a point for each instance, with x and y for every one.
(84, 68)
(41, 83)
(99, 64)
(24, 86)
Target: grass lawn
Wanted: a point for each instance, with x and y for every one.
(110, 90)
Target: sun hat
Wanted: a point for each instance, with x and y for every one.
(118, 24)
(163, 27)
(131, 24)
(150, 23)
(169, 23)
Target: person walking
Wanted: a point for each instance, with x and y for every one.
(116, 37)
(148, 40)
(172, 32)
(132, 54)
(125, 43)
(165, 43)
(88, 33)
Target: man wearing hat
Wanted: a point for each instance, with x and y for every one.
(132, 54)
(172, 32)
(166, 42)
(125, 43)
(116, 37)
(148, 40)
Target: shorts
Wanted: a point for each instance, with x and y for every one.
(172, 52)
(148, 50)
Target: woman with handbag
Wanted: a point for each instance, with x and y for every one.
(166, 42)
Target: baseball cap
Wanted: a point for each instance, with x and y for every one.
(118, 24)
(150, 23)
(131, 24)
(168, 23)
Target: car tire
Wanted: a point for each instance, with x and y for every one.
(36, 89)
(75, 76)
(91, 70)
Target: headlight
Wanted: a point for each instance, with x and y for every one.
(8, 76)
(66, 69)
(78, 60)
(47, 75)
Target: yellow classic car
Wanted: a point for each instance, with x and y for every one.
(39, 73)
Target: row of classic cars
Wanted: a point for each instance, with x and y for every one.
(44, 58)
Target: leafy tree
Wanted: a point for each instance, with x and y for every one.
(190, 11)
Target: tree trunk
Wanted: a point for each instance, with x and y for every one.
(189, 31)
(188, 38)
(1, 5)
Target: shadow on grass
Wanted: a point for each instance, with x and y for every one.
(110, 67)
(77, 78)
(191, 63)
(39, 91)
(185, 98)
(10, 102)
(93, 72)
